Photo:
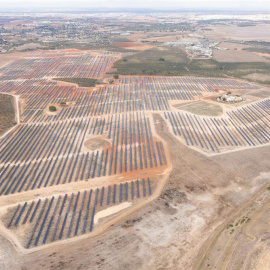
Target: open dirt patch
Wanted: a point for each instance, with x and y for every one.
(233, 56)
(258, 77)
(8, 58)
(29, 46)
(201, 108)
(96, 143)
(234, 32)
(111, 210)
(233, 45)
(133, 46)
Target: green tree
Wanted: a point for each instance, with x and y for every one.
(52, 108)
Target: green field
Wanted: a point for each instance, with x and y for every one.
(82, 82)
(259, 50)
(178, 64)
(201, 108)
(241, 70)
(7, 113)
(120, 39)
(148, 62)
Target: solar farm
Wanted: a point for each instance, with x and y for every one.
(67, 174)
(238, 128)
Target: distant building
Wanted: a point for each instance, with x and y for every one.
(229, 98)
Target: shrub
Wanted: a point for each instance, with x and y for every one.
(52, 108)
(161, 59)
(125, 60)
(116, 76)
(63, 103)
(111, 81)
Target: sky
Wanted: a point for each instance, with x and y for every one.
(237, 5)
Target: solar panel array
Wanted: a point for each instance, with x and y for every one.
(68, 215)
(50, 149)
(79, 65)
(38, 156)
(247, 126)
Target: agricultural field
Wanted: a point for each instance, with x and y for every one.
(236, 32)
(234, 56)
(148, 62)
(122, 161)
(264, 51)
(133, 46)
(237, 64)
(245, 70)
(7, 113)
(264, 78)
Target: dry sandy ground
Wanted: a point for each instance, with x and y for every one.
(233, 46)
(134, 46)
(136, 36)
(162, 39)
(267, 55)
(201, 107)
(168, 233)
(154, 36)
(8, 58)
(234, 56)
(258, 32)
(111, 210)
(236, 244)
(97, 142)
(252, 249)
(258, 76)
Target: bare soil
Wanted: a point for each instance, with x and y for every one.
(234, 32)
(96, 142)
(8, 58)
(134, 46)
(258, 77)
(168, 233)
(201, 108)
(236, 56)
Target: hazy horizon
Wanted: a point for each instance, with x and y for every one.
(114, 5)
